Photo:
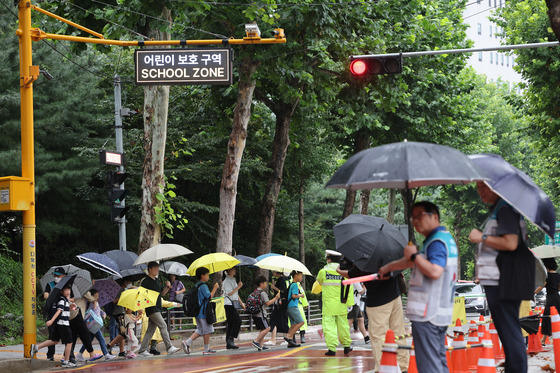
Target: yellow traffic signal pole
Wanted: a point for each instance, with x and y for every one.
(30, 73)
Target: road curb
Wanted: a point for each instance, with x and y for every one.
(24, 365)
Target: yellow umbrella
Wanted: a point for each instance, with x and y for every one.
(138, 299)
(317, 288)
(215, 262)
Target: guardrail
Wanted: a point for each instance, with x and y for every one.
(177, 323)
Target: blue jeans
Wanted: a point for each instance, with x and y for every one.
(100, 339)
(429, 347)
(113, 328)
(505, 314)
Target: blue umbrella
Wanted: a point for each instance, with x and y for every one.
(101, 262)
(261, 257)
(516, 188)
(246, 260)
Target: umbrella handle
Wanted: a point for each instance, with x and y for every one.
(367, 278)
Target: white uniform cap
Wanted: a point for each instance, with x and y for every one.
(332, 253)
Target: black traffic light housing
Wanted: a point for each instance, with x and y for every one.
(370, 65)
(116, 195)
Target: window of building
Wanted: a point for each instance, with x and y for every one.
(495, 1)
(507, 60)
(489, 3)
(490, 30)
(502, 60)
(496, 58)
(491, 57)
(479, 28)
(480, 56)
(496, 32)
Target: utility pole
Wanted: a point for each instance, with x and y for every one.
(120, 149)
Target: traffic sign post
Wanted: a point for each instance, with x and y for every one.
(549, 241)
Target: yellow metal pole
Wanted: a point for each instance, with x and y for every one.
(28, 74)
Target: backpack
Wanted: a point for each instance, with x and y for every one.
(283, 302)
(254, 303)
(191, 306)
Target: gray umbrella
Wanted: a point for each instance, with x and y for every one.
(82, 283)
(100, 261)
(245, 260)
(131, 274)
(173, 268)
(124, 259)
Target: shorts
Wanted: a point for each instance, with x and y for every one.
(203, 328)
(355, 313)
(294, 315)
(260, 322)
(61, 333)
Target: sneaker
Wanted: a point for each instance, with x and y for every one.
(172, 350)
(68, 364)
(265, 348)
(291, 343)
(330, 353)
(269, 343)
(33, 351)
(130, 355)
(109, 357)
(347, 350)
(366, 339)
(95, 357)
(80, 357)
(155, 352)
(209, 352)
(73, 361)
(50, 358)
(186, 348)
(109, 349)
(258, 345)
(144, 353)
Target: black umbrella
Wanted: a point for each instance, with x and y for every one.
(530, 323)
(516, 188)
(405, 165)
(369, 242)
(130, 274)
(55, 293)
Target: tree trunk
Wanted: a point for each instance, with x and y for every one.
(364, 201)
(300, 217)
(156, 102)
(391, 205)
(236, 146)
(349, 203)
(457, 238)
(361, 143)
(406, 195)
(284, 114)
(554, 16)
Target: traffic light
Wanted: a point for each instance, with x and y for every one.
(116, 195)
(365, 65)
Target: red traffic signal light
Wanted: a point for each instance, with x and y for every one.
(365, 65)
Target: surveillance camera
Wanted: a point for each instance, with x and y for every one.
(46, 74)
(252, 30)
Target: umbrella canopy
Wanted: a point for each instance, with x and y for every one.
(108, 290)
(261, 257)
(546, 251)
(369, 242)
(540, 273)
(173, 268)
(162, 252)
(245, 260)
(405, 165)
(55, 293)
(138, 299)
(130, 274)
(282, 263)
(81, 284)
(124, 259)
(215, 262)
(100, 261)
(516, 188)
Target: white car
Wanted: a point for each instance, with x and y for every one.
(475, 297)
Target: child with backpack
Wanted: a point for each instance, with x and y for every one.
(62, 331)
(204, 297)
(294, 314)
(254, 305)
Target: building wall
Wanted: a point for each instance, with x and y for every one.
(485, 33)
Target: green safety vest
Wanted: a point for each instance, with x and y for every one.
(331, 282)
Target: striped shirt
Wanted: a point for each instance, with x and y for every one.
(63, 305)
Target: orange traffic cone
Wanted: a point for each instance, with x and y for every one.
(449, 360)
(534, 345)
(498, 354)
(459, 356)
(412, 368)
(555, 321)
(389, 358)
(481, 324)
(486, 361)
(472, 353)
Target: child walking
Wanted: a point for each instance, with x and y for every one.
(130, 320)
(260, 318)
(94, 307)
(202, 327)
(294, 314)
(62, 331)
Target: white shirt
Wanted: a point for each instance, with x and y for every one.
(357, 294)
(229, 285)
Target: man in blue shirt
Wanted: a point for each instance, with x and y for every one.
(431, 287)
(202, 327)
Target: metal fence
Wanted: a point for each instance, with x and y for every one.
(177, 323)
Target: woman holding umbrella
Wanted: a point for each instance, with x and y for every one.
(231, 304)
